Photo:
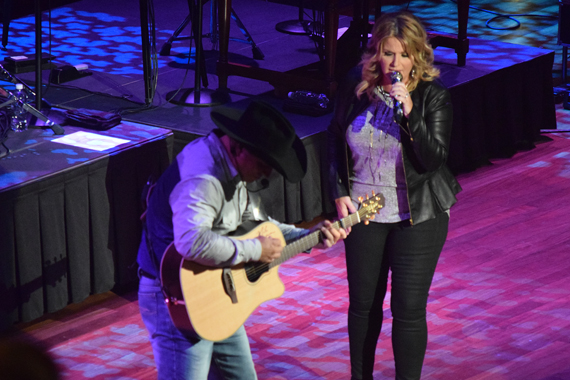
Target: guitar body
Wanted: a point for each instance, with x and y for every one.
(198, 300)
(215, 302)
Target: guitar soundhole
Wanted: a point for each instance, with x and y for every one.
(254, 271)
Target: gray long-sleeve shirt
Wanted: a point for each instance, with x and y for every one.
(209, 202)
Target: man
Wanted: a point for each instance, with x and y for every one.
(200, 198)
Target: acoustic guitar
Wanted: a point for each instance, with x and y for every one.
(214, 302)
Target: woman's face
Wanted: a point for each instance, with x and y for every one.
(394, 58)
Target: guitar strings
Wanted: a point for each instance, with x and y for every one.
(259, 269)
(263, 267)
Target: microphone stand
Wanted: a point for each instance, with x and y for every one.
(299, 26)
(56, 128)
(38, 54)
(14, 80)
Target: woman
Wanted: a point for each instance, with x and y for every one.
(405, 162)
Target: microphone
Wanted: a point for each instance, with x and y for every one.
(396, 77)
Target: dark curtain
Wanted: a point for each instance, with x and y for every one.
(74, 233)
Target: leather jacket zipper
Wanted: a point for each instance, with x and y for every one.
(406, 179)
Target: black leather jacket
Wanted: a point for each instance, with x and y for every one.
(425, 141)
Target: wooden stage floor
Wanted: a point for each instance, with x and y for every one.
(498, 307)
(499, 303)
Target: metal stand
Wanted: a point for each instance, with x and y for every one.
(564, 40)
(38, 54)
(565, 85)
(6, 18)
(564, 64)
(146, 58)
(299, 26)
(214, 31)
(56, 128)
(198, 97)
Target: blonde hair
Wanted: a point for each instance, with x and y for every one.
(407, 29)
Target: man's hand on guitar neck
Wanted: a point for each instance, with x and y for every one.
(270, 249)
(329, 234)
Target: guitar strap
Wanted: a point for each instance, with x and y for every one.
(146, 193)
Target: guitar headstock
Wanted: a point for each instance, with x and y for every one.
(370, 206)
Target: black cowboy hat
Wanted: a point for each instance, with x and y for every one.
(265, 132)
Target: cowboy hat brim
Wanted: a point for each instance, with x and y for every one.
(267, 134)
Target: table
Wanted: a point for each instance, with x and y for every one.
(69, 217)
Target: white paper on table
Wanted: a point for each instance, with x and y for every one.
(90, 140)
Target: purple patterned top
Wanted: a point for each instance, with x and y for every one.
(374, 139)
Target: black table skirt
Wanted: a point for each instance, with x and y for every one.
(74, 232)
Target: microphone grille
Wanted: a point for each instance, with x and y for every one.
(396, 76)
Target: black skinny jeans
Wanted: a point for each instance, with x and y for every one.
(411, 253)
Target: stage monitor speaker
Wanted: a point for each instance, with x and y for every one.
(564, 22)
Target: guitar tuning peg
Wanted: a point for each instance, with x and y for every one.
(366, 222)
(360, 199)
(373, 216)
(373, 193)
(367, 197)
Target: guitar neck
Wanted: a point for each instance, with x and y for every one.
(309, 241)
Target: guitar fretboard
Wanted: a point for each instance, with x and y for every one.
(293, 249)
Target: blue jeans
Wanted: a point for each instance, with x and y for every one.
(181, 356)
(411, 253)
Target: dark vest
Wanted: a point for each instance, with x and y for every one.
(158, 222)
